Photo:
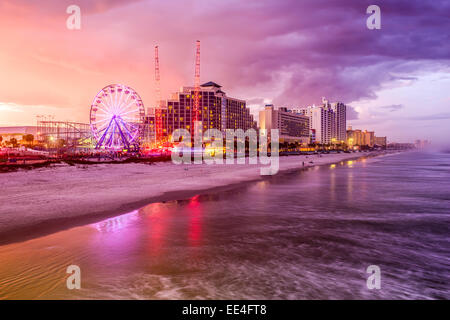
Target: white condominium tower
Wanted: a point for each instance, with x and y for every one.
(328, 121)
(340, 111)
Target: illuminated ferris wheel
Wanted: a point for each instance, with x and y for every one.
(117, 115)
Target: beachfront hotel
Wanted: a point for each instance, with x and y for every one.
(292, 127)
(217, 111)
(357, 137)
(340, 112)
(327, 121)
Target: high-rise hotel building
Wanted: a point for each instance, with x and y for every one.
(292, 127)
(327, 121)
(356, 137)
(320, 121)
(340, 112)
(216, 110)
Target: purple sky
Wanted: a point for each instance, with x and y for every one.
(290, 53)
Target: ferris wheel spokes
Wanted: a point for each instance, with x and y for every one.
(116, 114)
(100, 142)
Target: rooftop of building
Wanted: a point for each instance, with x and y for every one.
(211, 84)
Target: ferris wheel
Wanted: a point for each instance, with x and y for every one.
(117, 114)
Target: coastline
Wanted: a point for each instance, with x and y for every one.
(48, 200)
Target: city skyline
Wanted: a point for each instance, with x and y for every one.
(288, 54)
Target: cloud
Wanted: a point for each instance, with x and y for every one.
(290, 52)
(437, 116)
(253, 101)
(11, 107)
(56, 7)
(393, 107)
(351, 113)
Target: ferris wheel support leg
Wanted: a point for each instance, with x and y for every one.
(100, 142)
(126, 130)
(125, 141)
(110, 140)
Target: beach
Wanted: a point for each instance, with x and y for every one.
(51, 199)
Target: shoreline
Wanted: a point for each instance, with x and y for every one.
(72, 213)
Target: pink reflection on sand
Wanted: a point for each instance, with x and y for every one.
(195, 221)
(115, 237)
(157, 226)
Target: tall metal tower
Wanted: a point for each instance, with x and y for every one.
(157, 78)
(158, 111)
(197, 83)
